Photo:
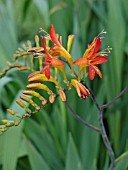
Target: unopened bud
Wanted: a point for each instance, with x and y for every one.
(37, 40)
(62, 95)
(23, 106)
(29, 43)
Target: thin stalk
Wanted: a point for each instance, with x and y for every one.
(103, 131)
(106, 141)
(113, 100)
(81, 120)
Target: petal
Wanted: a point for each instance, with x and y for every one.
(70, 39)
(95, 49)
(98, 71)
(46, 71)
(97, 45)
(33, 74)
(53, 36)
(78, 90)
(91, 72)
(83, 90)
(99, 60)
(44, 46)
(64, 53)
(56, 62)
(81, 61)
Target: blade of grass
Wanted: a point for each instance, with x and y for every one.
(72, 158)
(10, 142)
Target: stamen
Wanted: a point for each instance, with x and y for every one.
(102, 32)
(45, 34)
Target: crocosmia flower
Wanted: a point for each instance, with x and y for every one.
(93, 57)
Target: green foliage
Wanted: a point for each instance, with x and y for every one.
(53, 139)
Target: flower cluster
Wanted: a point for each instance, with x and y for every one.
(53, 54)
(57, 56)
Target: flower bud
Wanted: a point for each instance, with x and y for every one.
(23, 106)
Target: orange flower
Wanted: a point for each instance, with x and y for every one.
(58, 50)
(92, 57)
(50, 61)
(82, 91)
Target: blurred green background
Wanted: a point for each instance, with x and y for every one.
(53, 139)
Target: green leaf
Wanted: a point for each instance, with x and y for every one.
(122, 165)
(11, 142)
(8, 32)
(43, 8)
(43, 141)
(36, 160)
(72, 159)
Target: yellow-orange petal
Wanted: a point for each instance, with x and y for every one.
(69, 43)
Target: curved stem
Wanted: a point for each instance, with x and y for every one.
(81, 120)
(106, 140)
(113, 100)
(103, 131)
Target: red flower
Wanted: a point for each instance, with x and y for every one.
(50, 61)
(92, 57)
